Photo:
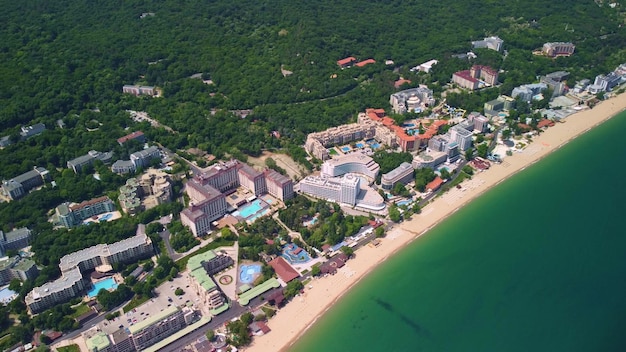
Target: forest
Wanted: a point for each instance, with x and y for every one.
(68, 60)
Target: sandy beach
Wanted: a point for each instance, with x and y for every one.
(321, 293)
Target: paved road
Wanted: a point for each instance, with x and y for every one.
(165, 235)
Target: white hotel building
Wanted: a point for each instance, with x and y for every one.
(351, 163)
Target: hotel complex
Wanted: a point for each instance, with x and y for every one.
(152, 188)
(402, 174)
(74, 265)
(412, 100)
(473, 78)
(19, 186)
(493, 43)
(15, 240)
(558, 49)
(70, 215)
(201, 269)
(208, 189)
(351, 163)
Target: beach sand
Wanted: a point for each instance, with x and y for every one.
(321, 293)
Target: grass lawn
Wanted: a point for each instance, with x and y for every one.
(80, 310)
(135, 302)
(70, 348)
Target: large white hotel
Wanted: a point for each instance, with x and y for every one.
(71, 283)
(345, 180)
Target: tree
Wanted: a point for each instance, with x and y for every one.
(445, 174)
(468, 170)
(15, 285)
(247, 318)
(379, 232)
(469, 154)
(394, 213)
(293, 288)
(179, 292)
(315, 270)
(210, 335)
(173, 272)
(347, 251)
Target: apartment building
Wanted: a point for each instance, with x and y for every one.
(558, 49)
(605, 83)
(19, 186)
(402, 174)
(15, 239)
(72, 214)
(139, 90)
(31, 131)
(139, 159)
(503, 102)
(317, 142)
(74, 265)
(461, 136)
(526, 92)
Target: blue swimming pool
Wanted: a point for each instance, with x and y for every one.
(345, 149)
(250, 209)
(106, 284)
(247, 273)
(106, 217)
(375, 145)
(294, 254)
(360, 145)
(404, 202)
(408, 125)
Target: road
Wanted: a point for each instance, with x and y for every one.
(165, 235)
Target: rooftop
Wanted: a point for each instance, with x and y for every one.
(98, 342)
(284, 271)
(160, 316)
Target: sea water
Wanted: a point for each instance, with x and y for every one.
(538, 263)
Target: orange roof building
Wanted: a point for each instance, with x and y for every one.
(346, 62)
(365, 62)
(397, 84)
(545, 123)
(434, 184)
(284, 271)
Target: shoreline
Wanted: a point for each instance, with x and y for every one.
(294, 320)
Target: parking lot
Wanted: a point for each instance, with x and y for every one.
(164, 297)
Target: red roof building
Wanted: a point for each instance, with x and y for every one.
(347, 62)
(434, 184)
(137, 135)
(284, 271)
(397, 84)
(365, 62)
(545, 123)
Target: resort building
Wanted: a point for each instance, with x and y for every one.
(402, 174)
(493, 43)
(316, 143)
(351, 163)
(135, 136)
(527, 92)
(19, 186)
(473, 78)
(31, 131)
(425, 67)
(412, 100)
(15, 240)
(201, 269)
(17, 268)
(502, 103)
(152, 188)
(605, 83)
(481, 123)
(284, 271)
(558, 49)
(365, 62)
(157, 327)
(99, 342)
(122, 341)
(139, 159)
(434, 185)
(72, 214)
(139, 90)
(208, 189)
(252, 179)
(461, 136)
(347, 62)
(346, 190)
(74, 265)
(279, 186)
(429, 159)
(88, 159)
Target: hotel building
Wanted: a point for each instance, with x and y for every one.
(16, 239)
(77, 164)
(70, 215)
(316, 143)
(154, 187)
(157, 327)
(402, 174)
(17, 268)
(208, 189)
(469, 79)
(346, 190)
(72, 266)
(19, 186)
(201, 269)
(412, 100)
(351, 163)
(558, 49)
(493, 43)
(139, 90)
(461, 136)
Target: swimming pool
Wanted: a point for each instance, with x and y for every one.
(408, 125)
(106, 284)
(375, 145)
(345, 149)
(250, 209)
(294, 254)
(404, 202)
(360, 145)
(106, 217)
(247, 273)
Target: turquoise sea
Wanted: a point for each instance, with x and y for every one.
(538, 263)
